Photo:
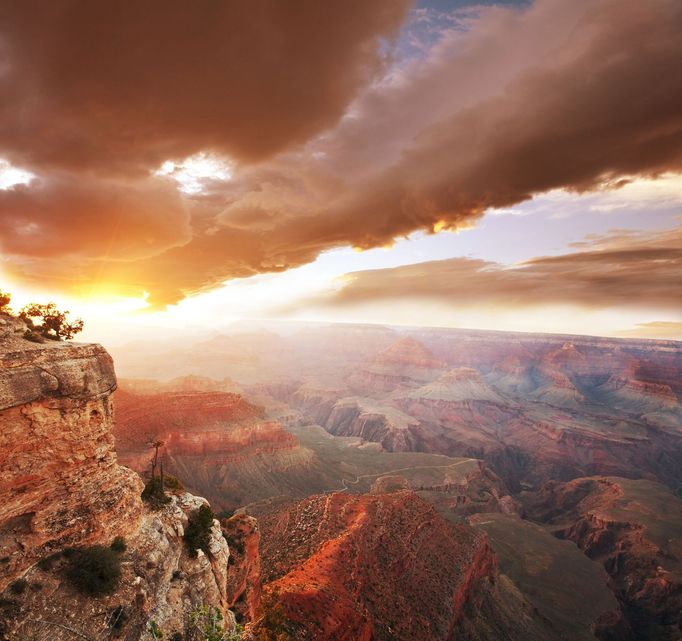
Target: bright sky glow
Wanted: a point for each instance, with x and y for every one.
(547, 225)
(194, 172)
(11, 176)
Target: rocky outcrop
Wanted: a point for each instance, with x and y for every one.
(356, 416)
(59, 479)
(244, 580)
(404, 363)
(458, 385)
(217, 443)
(161, 582)
(62, 490)
(634, 528)
(386, 566)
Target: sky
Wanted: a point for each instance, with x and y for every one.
(493, 165)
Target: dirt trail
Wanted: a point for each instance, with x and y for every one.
(346, 482)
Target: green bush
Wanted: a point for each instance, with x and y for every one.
(154, 495)
(47, 562)
(118, 545)
(198, 531)
(94, 570)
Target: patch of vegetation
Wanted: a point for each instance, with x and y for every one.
(5, 559)
(198, 531)
(155, 630)
(207, 622)
(19, 586)
(43, 320)
(5, 300)
(154, 495)
(119, 545)
(95, 570)
(50, 322)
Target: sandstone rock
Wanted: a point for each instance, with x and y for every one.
(59, 479)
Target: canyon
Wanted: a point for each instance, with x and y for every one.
(472, 423)
(370, 483)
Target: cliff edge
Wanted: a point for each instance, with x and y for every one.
(64, 495)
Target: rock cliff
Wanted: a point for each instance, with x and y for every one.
(386, 567)
(63, 493)
(59, 479)
(632, 527)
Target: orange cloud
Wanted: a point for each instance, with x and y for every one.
(526, 100)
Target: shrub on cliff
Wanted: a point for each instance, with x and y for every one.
(52, 322)
(154, 495)
(5, 300)
(119, 545)
(172, 483)
(198, 531)
(94, 570)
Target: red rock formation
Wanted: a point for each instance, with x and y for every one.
(404, 362)
(378, 568)
(634, 528)
(217, 443)
(59, 479)
(243, 580)
(216, 424)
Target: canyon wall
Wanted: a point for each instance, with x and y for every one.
(60, 482)
(62, 492)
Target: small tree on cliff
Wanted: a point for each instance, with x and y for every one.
(155, 491)
(5, 300)
(51, 322)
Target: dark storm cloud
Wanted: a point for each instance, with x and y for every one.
(524, 100)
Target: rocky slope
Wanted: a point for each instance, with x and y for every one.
(244, 578)
(386, 566)
(403, 363)
(632, 527)
(62, 490)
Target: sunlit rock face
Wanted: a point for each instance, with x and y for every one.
(60, 482)
(61, 487)
(386, 567)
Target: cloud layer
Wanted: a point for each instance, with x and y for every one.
(329, 145)
(619, 270)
